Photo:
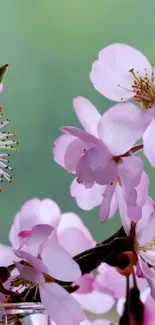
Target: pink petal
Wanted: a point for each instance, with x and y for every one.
(92, 301)
(101, 163)
(122, 126)
(149, 311)
(60, 146)
(72, 220)
(73, 153)
(32, 260)
(84, 173)
(129, 209)
(148, 142)
(149, 273)
(87, 198)
(1, 87)
(7, 255)
(60, 305)
(142, 189)
(126, 222)
(85, 283)
(86, 322)
(102, 322)
(81, 134)
(106, 202)
(148, 257)
(30, 273)
(111, 282)
(34, 212)
(112, 69)
(74, 241)
(148, 209)
(145, 229)
(60, 264)
(87, 114)
(120, 306)
(130, 171)
(36, 237)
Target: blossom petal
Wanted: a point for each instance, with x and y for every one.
(148, 142)
(145, 231)
(142, 189)
(101, 163)
(148, 209)
(130, 171)
(60, 264)
(30, 273)
(112, 282)
(72, 220)
(73, 153)
(111, 74)
(81, 134)
(126, 222)
(60, 146)
(34, 212)
(85, 173)
(36, 237)
(87, 114)
(85, 283)
(7, 255)
(122, 126)
(149, 274)
(60, 305)
(74, 241)
(101, 322)
(106, 202)
(32, 260)
(87, 198)
(92, 301)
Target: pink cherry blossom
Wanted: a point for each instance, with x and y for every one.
(123, 73)
(113, 283)
(53, 260)
(119, 69)
(32, 213)
(145, 244)
(100, 156)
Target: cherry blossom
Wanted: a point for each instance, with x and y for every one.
(101, 157)
(145, 244)
(42, 271)
(123, 73)
(71, 234)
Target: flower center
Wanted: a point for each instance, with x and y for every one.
(143, 88)
(150, 246)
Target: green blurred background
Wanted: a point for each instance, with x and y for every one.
(50, 46)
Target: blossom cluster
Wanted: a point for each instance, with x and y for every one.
(52, 255)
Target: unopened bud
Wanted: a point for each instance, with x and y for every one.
(3, 71)
(136, 305)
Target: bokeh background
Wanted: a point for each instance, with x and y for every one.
(50, 46)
